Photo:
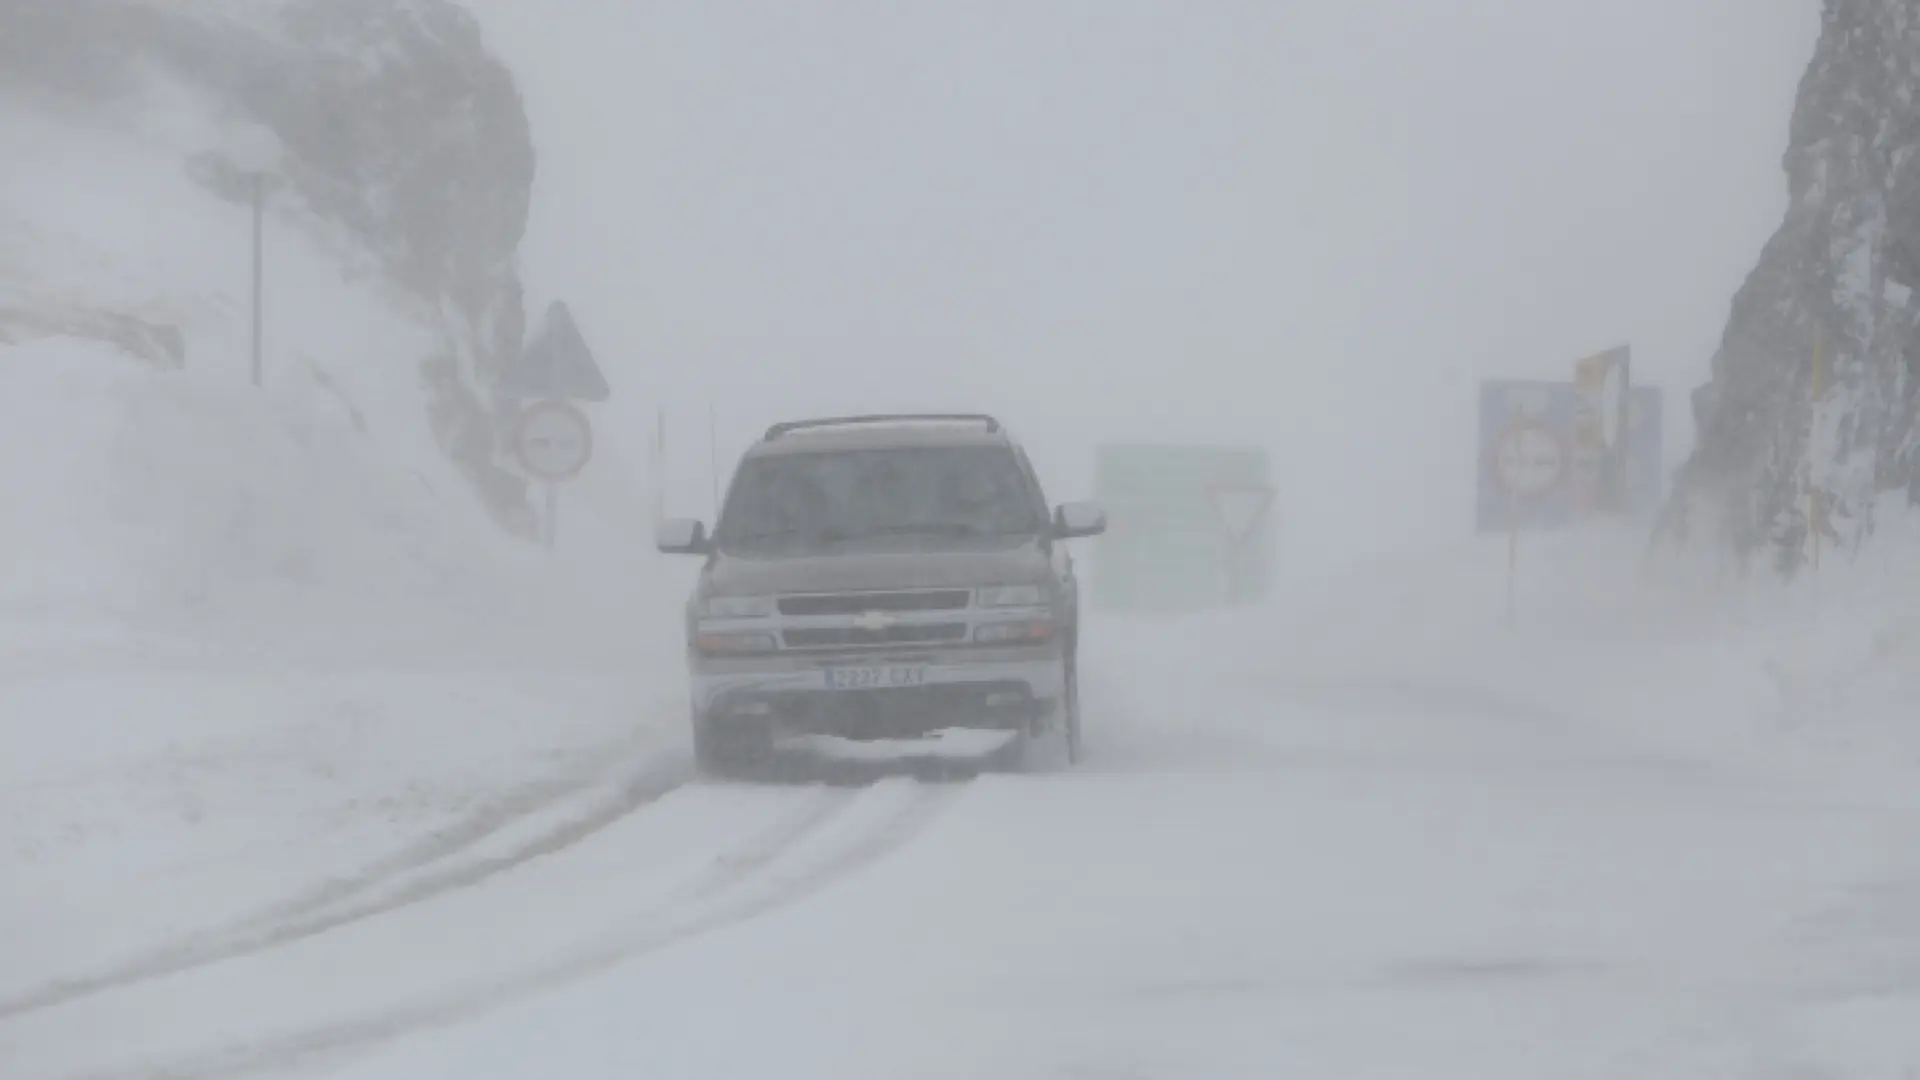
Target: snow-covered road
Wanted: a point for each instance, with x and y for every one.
(1352, 876)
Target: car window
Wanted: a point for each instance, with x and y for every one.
(843, 496)
(1035, 492)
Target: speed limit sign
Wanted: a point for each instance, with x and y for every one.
(554, 441)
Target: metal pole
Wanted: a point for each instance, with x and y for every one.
(259, 244)
(1513, 553)
(660, 466)
(1623, 447)
(713, 455)
(553, 514)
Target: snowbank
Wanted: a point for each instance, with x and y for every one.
(1813, 680)
(140, 494)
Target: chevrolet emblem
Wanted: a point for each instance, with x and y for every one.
(874, 621)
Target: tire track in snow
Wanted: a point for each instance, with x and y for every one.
(723, 896)
(518, 805)
(348, 900)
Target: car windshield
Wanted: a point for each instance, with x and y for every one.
(838, 497)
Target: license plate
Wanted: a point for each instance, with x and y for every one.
(875, 677)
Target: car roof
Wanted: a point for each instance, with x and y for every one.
(886, 435)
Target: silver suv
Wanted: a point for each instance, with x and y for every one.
(884, 578)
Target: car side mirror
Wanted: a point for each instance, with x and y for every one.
(1077, 519)
(682, 536)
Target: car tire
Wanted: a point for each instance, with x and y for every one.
(1072, 711)
(1054, 746)
(715, 755)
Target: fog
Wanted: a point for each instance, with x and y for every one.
(1313, 226)
(347, 730)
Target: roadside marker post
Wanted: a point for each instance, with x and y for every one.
(1816, 389)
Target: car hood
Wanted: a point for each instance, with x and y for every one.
(871, 569)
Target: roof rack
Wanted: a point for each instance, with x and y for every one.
(988, 422)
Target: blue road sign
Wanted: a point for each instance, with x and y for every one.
(1527, 454)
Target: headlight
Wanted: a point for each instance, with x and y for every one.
(737, 607)
(1015, 633)
(1012, 596)
(735, 644)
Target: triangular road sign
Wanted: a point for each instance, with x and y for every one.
(1239, 509)
(556, 363)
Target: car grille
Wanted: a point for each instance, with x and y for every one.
(857, 603)
(904, 713)
(853, 637)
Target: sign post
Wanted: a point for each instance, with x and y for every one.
(1555, 455)
(552, 438)
(659, 505)
(553, 441)
(1513, 556)
(553, 516)
(713, 454)
(1529, 463)
(255, 151)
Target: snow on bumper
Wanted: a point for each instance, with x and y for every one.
(890, 699)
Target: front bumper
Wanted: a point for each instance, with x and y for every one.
(1009, 690)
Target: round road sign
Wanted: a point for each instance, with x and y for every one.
(1529, 460)
(554, 441)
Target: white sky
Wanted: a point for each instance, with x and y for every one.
(1311, 225)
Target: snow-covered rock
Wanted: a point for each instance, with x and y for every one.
(1835, 282)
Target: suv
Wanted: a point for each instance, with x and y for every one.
(883, 578)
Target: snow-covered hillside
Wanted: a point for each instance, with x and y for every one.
(138, 490)
(391, 137)
(246, 627)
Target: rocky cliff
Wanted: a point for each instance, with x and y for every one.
(401, 141)
(1809, 419)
